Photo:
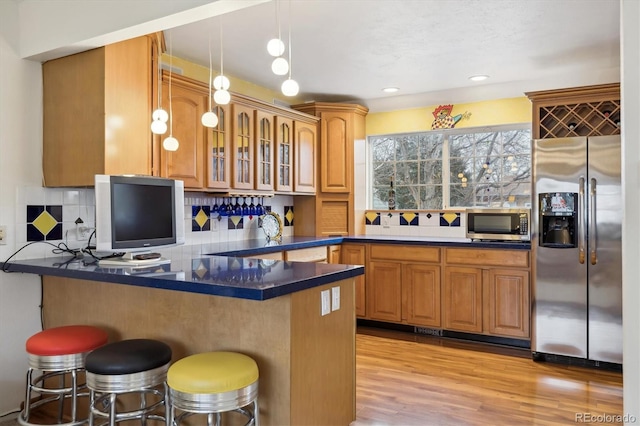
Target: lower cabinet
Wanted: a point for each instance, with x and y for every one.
(403, 284)
(487, 299)
(355, 254)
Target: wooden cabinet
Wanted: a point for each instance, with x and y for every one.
(242, 147)
(403, 284)
(218, 150)
(97, 113)
(334, 254)
(355, 254)
(311, 254)
(577, 111)
(284, 154)
(331, 211)
(264, 151)
(304, 180)
(188, 103)
(490, 294)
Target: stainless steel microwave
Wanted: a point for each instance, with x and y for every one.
(498, 224)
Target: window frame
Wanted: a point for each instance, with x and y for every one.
(446, 179)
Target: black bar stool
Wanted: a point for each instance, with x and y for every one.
(136, 367)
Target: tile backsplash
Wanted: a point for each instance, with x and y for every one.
(50, 215)
(435, 223)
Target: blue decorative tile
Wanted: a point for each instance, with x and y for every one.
(449, 219)
(44, 223)
(200, 220)
(235, 222)
(372, 218)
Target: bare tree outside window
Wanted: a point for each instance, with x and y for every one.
(485, 168)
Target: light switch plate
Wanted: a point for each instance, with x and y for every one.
(335, 298)
(325, 302)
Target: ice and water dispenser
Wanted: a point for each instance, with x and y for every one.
(558, 219)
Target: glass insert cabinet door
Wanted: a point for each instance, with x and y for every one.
(284, 154)
(243, 147)
(218, 141)
(265, 151)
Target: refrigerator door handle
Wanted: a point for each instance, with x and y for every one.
(593, 234)
(581, 230)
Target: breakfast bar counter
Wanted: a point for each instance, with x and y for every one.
(267, 309)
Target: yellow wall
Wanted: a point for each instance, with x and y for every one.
(198, 72)
(485, 113)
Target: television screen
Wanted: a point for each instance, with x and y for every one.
(138, 214)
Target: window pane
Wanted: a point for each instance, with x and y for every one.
(431, 197)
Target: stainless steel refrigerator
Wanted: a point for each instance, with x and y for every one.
(576, 244)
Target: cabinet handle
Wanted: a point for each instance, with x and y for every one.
(593, 229)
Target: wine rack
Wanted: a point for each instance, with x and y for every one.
(579, 111)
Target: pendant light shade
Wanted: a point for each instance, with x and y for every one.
(160, 115)
(280, 66)
(290, 87)
(158, 127)
(222, 97)
(221, 82)
(209, 119)
(170, 144)
(275, 47)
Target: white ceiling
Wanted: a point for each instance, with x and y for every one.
(348, 50)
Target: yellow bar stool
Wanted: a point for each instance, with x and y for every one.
(213, 383)
(59, 352)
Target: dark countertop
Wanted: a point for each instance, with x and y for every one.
(215, 269)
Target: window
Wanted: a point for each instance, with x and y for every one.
(452, 168)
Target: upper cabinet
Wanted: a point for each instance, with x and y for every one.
(264, 150)
(97, 113)
(188, 103)
(304, 142)
(577, 111)
(242, 147)
(332, 210)
(284, 154)
(218, 150)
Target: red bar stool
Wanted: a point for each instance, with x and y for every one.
(59, 352)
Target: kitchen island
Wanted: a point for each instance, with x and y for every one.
(269, 310)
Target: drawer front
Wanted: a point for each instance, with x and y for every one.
(311, 254)
(487, 257)
(406, 253)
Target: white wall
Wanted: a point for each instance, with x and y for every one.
(630, 16)
(20, 164)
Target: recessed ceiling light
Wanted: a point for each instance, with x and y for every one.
(390, 89)
(478, 77)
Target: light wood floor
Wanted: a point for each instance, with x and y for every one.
(421, 380)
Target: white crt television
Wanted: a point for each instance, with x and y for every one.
(137, 214)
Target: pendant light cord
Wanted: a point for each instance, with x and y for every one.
(159, 74)
(170, 70)
(210, 71)
(290, 40)
(221, 52)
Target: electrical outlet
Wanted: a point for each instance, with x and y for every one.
(82, 232)
(325, 302)
(385, 221)
(335, 298)
(3, 235)
(214, 223)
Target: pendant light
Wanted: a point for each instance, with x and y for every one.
(290, 86)
(276, 48)
(209, 118)
(221, 83)
(159, 115)
(170, 143)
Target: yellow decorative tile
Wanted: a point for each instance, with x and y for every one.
(450, 217)
(371, 216)
(45, 222)
(201, 218)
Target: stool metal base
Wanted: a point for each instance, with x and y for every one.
(51, 367)
(105, 389)
(214, 404)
